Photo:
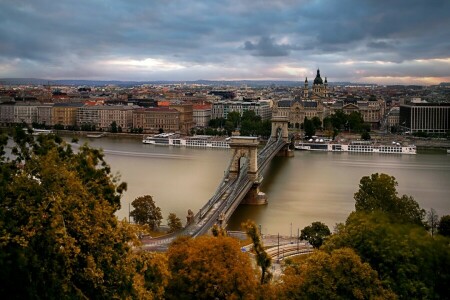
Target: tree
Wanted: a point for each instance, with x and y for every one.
(309, 127)
(409, 261)
(378, 193)
(337, 275)
(262, 258)
(315, 234)
(114, 127)
(145, 212)
(365, 136)
(60, 237)
(235, 118)
(316, 122)
(209, 268)
(174, 222)
(432, 221)
(444, 226)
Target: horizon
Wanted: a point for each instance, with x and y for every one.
(367, 42)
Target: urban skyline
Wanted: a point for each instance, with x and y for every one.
(362, 42)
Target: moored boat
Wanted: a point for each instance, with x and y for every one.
(357, 147)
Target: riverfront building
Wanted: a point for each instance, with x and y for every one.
(221, 108)
(152, 120)
(425, 117)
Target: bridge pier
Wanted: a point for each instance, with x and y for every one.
(286, 152)
(255, 196)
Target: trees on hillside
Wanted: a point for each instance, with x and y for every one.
(444, 226)
(339, 274)
(146, 212)
(408, 260)
(174, 223)
(378, 193)
(60, 237)
(262, 258)
(209, 268)
(315, 234)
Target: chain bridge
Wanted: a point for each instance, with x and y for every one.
(240, 184)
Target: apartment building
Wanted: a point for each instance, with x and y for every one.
(122, 115)
(221, 108)
(154, 119)
(201, 114)
(65, 113)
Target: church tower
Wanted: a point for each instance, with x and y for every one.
(319, 87)
(305, 88)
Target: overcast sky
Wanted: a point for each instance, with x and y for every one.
(376, 41)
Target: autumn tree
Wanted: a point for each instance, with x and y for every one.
(337, 275)
(315, 234)
(209, 268)
(378, 193)
(174, 222)
(59, 235)
(444, 226)
(146, 212)
(262, 258)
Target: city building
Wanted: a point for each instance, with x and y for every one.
(122, 115)
(65, 113)
(45, 114)
(186, 116)
(6, 113)
(201, 114)
(221, 108)
(25, 112)
(155, 119)
(425, 117)
(297, 110)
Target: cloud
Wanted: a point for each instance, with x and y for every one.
(267, 47)
(272, 38)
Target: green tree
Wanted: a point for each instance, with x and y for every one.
(315, 234)
(174, 222)
(408, 260)
(145, 212)
(209, 268)
(262, 258)
(316, 122)
(337, 275)
(235, 118)
(309, 127)
(355, 121)
(378, 193)
(59, 235)
(444, 226)
(365, 136)
(114, 128)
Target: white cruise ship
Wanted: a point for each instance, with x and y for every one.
(173, 139)
(357, 146)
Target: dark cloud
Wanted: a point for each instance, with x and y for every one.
(267, 47)
(70, 38)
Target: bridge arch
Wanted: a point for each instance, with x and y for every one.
(244, 146)
(280, 123)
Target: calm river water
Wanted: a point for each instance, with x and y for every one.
(312, 186)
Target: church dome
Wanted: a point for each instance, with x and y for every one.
(318, 79)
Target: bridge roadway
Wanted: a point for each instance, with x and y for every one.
(225, 200)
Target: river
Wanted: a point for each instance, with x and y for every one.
(312, 186)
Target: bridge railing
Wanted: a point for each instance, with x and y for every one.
(217, 193)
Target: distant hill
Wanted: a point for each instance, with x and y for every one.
(237, 83)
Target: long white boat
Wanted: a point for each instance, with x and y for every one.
(173, 139)
(357, 146)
